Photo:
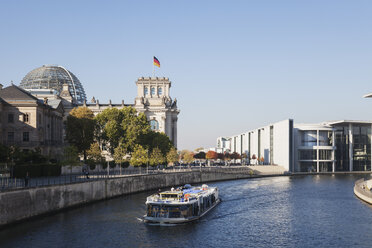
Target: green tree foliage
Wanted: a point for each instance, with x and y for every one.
(200, 155)
(17, 156)
(94, 154)
(121, 126)
(136, 128)
(108, 129)
(80, 129)
(4, 153)
(183, 153)
(156, 157)
(211, 155)
(188, 157)
(139, 156)
(155, 139)
(70, 155)
(119, 154)
(172, 156)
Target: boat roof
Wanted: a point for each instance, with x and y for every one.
(192, 191)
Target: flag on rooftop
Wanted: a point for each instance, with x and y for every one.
(156, 62)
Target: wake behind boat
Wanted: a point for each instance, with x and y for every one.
(181, 205)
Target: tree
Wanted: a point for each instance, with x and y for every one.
(183, 153)
(172, 156)
(135, 126)
(139, 156)
(188, 157)
(70, 155)
(220, 156)
(4, 153)
(235, 155)
(160, 140)
(94, 154)
(156, 157)
(122, 126)
(200, 155)
(119, 154)
(211, 155)
(80, 129)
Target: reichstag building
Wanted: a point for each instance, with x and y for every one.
(32, 114)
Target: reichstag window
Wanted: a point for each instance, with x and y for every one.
(152, 91)
(146, 91)
(11, 136)
(26, 136)
(10, 118)
(154, 125)
(26, 118)
(160, 91)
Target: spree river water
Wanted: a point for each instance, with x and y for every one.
(297, 211)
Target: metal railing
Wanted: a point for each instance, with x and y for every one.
(8, 183)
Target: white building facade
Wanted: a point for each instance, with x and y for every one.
(326, 147)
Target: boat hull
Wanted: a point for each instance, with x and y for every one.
(148, 219)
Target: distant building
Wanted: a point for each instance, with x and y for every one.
(327, 147)
(153, 96)
(29, 123)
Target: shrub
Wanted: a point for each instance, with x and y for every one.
(112, 164)
(36, 170)
(125, 164)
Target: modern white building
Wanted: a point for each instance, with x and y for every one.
(327, 147)
(273, 143)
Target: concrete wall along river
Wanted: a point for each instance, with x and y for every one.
(21, 204)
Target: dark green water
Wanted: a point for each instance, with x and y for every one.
(306, 211)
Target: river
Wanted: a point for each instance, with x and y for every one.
(297, 211)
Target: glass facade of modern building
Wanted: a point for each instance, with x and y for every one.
(353, 142)
(315, 149)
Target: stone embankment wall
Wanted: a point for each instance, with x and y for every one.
(25, 203)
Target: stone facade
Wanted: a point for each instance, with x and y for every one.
(153, 99)
(30, 123)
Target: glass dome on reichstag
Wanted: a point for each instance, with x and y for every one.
(53, 77)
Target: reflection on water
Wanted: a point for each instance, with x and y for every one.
(301, 211)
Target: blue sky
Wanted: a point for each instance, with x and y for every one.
(234, 65)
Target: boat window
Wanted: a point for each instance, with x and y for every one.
(164, 196)
(163, 211)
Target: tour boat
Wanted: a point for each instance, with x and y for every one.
(180, 205)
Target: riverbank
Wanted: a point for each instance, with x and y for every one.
(21, 204)
(362, 190)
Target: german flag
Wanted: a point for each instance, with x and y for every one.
(156, 62)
